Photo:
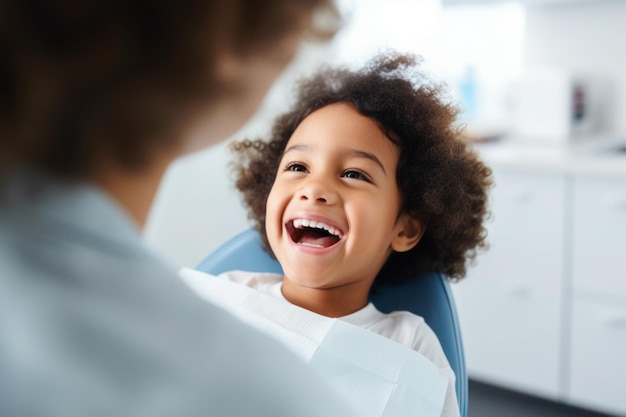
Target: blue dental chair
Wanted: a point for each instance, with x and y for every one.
(428, 296)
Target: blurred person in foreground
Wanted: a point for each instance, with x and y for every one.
(98, 98)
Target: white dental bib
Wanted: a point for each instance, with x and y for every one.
(378, 377)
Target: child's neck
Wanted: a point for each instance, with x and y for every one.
(333, 302)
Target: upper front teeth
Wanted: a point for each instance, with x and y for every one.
(300, 223)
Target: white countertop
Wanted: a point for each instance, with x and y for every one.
(588, 158)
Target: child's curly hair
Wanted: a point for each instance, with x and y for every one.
(443, 183)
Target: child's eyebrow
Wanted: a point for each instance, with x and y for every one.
(368, 155)
(352, 152)
(296, 148)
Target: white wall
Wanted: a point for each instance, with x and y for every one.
(585, 38)
(196, 208)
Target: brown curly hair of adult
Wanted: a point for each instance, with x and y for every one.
(443, 182)
(79, 80)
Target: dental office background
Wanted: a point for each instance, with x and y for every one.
(542, 85)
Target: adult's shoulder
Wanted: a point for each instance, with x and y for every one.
(113, 332)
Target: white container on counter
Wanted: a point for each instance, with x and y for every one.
(551, 105)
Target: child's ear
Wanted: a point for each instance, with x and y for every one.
(408, 232)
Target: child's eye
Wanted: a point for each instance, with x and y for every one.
(356, 175)
(295, 167)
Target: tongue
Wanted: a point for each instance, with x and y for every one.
(312, 238)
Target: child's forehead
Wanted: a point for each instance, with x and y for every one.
(342, 121)
(341, 117)
(341, 129)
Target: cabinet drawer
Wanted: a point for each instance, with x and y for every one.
(599, 236)
(511, 298)
(525, 232)
(598, 353)
(511, 336)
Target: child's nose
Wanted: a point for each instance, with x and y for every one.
(317, 191)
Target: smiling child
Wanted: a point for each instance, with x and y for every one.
(334, 214)
(365, 179)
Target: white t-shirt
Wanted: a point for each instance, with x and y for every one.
(403, 327)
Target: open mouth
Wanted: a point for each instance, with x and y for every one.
(312, 233)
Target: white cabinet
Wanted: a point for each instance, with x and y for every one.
(599, 238)
(510, 304)
(598, 330)
(544, 310)
(598, 354)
